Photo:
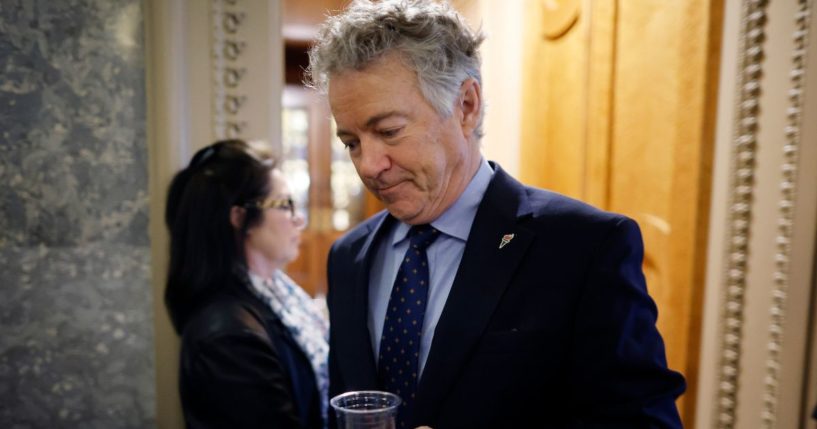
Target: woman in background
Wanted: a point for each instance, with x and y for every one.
(254, 345)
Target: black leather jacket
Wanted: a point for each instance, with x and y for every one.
(240, 368)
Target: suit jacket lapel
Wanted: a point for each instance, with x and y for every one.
(484, 273)
(356, 337)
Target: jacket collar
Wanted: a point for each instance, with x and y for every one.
(483, 275)
(363, 364)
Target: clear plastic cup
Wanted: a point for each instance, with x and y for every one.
(366, 409)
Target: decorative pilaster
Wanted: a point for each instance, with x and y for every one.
(229, 69)
(740, 209)
(785, 219)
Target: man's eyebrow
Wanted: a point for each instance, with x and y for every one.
(377, 118)
(374, 120)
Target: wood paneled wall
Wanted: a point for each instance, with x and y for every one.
(619, 106)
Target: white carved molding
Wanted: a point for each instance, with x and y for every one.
(759, 329)
(740, 213)
(229, 48)
(785, 218)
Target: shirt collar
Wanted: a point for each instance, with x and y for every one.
(457, 220)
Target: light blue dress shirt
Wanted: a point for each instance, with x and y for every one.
(444, 256)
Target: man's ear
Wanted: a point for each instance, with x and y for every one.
(470, 106)
(237, 215)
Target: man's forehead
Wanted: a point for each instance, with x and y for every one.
(368, 107)
(373, 120)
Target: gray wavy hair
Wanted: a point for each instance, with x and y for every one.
(430, 36)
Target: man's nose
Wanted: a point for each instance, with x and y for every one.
(373, 159)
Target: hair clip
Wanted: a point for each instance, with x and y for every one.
(202, 156)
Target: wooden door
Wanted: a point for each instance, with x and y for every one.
(319, 170)
(324, 183)
(619, 106)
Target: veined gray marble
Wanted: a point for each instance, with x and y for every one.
(76, 323)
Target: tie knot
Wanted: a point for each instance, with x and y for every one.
(422, 236)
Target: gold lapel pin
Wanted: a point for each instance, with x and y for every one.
(505, 240)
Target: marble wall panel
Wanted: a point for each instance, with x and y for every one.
(76, 336)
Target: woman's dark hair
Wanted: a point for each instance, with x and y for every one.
(206, 252)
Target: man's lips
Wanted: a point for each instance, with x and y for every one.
(387, 188)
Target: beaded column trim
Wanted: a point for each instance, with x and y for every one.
(228, 47)
(740, 210)
(785, 214)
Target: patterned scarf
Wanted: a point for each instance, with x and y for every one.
(305, 321)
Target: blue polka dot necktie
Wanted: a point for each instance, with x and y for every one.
(398, 366)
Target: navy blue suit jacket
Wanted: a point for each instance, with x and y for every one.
(553, 330)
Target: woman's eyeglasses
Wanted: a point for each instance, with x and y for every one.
(277, 203)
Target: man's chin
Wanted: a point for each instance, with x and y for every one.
(409, 215)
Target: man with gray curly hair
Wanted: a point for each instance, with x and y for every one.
(479, 301)
(442, 51)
